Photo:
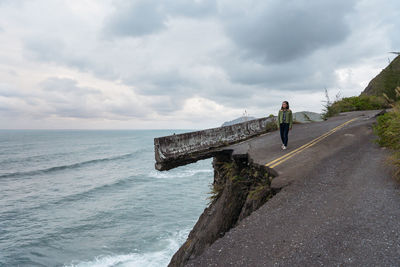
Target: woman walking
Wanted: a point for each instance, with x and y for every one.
(285, 122)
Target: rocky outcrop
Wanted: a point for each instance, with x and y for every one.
(307, 116)
(240, 187)
(238, 120)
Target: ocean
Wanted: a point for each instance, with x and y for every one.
(93, 198)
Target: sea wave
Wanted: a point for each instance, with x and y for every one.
(43, 156)
(68, 166)
(150, 259)
(95, 190)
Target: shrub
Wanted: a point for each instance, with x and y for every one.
(395, 160)
(354, 103)
(271, 126)
(388, 131)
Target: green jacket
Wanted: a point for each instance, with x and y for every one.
(289, 118)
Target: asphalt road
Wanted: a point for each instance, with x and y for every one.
(338, 206)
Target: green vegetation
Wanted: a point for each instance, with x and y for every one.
(353, 103)
(380, 92)
(226, 169)
(216, 191)
(271, 126)
(388, 131)
(386, 81)
(261, 187)
(248, 179)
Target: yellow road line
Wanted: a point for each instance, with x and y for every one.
(290, 156)
(322, 136)
(287, 156)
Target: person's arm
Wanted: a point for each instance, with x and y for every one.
(290, 119)
(278, 119)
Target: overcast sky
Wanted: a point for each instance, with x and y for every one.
(184, 63)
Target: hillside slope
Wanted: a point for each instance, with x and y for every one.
(386, 81)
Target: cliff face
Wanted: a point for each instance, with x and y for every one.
(386, 81)
(240, 187)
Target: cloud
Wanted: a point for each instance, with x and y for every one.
(168, 61)
(66, 86)
(66, 98)
(15, 102)
(136, 19)
(143, 17)
(8, 90)
(191, 8)
(276, 31)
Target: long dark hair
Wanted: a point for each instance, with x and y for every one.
(287, 104)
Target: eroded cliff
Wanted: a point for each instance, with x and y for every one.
(239, 188)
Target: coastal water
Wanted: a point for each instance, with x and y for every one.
(93, 198)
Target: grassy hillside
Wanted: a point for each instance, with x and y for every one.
(386, 81)
(379, 94)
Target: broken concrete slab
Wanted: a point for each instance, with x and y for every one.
(181, 149)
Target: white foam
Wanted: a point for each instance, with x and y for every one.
(177, 173)
(151, 259)
(128, 260)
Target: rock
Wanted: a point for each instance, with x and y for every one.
(307, 116)
(238, 120)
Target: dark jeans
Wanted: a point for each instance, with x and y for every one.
(284, 127)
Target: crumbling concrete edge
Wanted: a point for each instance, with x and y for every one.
(178, 150)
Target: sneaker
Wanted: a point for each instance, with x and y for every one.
(283, 147)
